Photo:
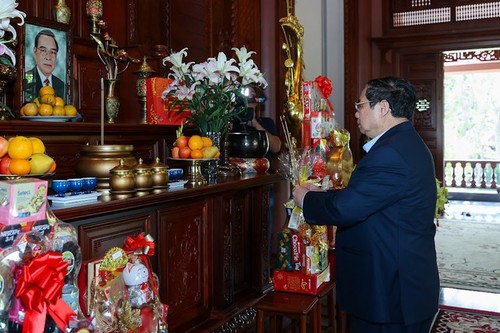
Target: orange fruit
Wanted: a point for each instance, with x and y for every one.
(20, 147)
(70, 110)
(45, 110)
(58, 111)
(29, 109)
(47, 90)
(195, 142)
(19, 166)
(59, 101)
(207, 142)
(48, 99)
(196, 153)
(38, 146)
(52, 167)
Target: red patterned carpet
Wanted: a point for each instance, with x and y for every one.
(456, 320)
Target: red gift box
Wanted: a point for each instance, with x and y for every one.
(299, 282)
(157, 108)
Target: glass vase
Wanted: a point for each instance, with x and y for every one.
(209, 169)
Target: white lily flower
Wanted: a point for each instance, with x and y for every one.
(4, 50)
(176, 58)
(185, 92)
(242, 54)
(8, 11)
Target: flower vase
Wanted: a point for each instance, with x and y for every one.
(61, 11)
(209, 169)
(112, 101)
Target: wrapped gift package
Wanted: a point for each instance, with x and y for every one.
(157, 108)
(22, 200)
(299, 282)
(303, 250)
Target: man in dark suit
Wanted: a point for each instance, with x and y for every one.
(386, 270)
(45, 50)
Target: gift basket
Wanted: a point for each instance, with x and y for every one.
(325, 160)
(39, 265)
(122, 290)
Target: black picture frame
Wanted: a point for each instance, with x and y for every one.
(27, 62)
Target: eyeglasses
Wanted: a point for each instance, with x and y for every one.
(44, 51)
(357, 105)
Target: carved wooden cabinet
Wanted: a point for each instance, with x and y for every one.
(185, 262)
(212, 247)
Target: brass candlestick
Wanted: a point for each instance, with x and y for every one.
(94, 12)
(144, 71)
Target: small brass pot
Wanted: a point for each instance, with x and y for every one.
(159, 173)
(142, 176)
(122, 178)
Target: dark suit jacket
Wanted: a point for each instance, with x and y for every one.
(386, 268)
(34, 83)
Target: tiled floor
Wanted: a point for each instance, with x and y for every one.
(474, 211)
(470, 299)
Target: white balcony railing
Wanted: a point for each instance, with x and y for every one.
(472, 174)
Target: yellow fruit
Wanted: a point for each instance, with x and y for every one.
(207, 142)
(45, 110)
(48, 99)
(210, 152)
(29, 109)
(58, 111)
(47, 90)
(59, 101)
(36, 101)
(70, 110)
(195, 142)
(20, 147)
(19, 166)
(40, 163)
(38, 146)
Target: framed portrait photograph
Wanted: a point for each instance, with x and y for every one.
(45, 60)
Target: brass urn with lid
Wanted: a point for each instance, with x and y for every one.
(143, 177)
(159, 173)
(122, 178)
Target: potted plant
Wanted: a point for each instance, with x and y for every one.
(442, 200)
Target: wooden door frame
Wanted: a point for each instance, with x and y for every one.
(370, 54)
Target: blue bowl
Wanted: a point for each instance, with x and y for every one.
(175, 174)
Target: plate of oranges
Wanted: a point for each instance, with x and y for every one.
(48, 107)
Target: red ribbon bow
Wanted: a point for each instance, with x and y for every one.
(40, 287)
(140, 245)
(325, 87)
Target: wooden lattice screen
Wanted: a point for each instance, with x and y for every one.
(406, 13)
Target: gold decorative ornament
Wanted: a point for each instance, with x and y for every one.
(110, 55)
(94, 12)
(293, 33)
(144, 71)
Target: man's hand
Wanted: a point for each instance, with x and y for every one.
(299, 192)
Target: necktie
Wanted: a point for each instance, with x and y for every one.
(46, 82)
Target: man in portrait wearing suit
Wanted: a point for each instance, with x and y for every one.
(45, 50)
(386, 269)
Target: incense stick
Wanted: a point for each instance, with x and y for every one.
(292, 157)
(102, 111)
